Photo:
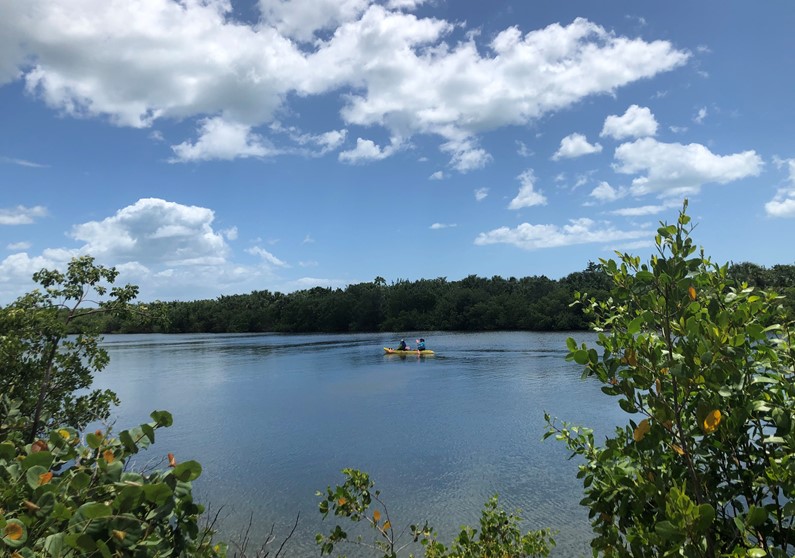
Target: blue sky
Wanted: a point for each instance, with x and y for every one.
(209, 147)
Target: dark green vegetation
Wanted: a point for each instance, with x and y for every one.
(471, 304)
(705, 367)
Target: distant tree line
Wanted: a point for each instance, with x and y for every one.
(535, 303)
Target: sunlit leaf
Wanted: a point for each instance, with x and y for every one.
(711, 421)
(14, 533)
(641, 430)
(14, 530)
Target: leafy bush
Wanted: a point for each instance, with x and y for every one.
(499, 531)
(706, 369)
(46, 371)
(60, 496)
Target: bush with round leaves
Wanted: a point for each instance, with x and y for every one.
(66, 496)
(705, 369)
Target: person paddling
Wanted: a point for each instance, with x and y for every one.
(402, 346)
(420, 345)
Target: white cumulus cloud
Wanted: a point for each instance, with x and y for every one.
(673, 169)
(155, 232)
(575, 145)
(606, 193)
(405, 73)
(527, 196)
(466, 155)
(224, 140)
(367, 150)
(783, 204)
(636, 122)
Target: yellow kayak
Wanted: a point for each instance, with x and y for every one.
(426, 352)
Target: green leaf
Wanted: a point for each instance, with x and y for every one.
(706, 515)
(756, 553)
(129, 444)
(634, 325)
(149, 432)
(187, 471)
(7, 451)
(53, 545)
(33, 476)
(103, 548)
(40, 458)
(157, 493)
(668, 531)
(91, 510)
(80, 480)
(581, 356)
(756, 516)
(162, 418)
(93, 441)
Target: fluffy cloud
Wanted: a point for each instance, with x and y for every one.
(578, 231)
(466, 155)
(527, 196)
(636, 122)
(21, 215)
(481, 194)
(176, 60)
(16, 270)
(575, 145)
(673, 169)
(224, 140)
(301, 19)
(606, 193)
(367, 150)
(155, 232)
(783, 204)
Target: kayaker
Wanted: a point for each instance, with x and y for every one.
(402, 346)
(421, 345)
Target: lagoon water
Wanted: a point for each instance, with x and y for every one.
(274, 418)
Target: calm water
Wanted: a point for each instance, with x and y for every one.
(273, 418)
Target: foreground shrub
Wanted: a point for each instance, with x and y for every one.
(706, 370)
(60, 496)
(358, 501)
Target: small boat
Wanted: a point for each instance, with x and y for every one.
(426, 352)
